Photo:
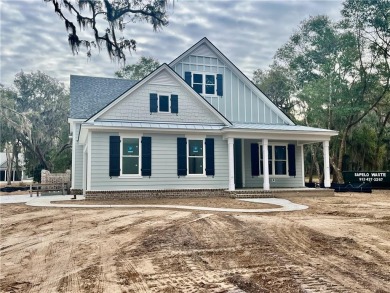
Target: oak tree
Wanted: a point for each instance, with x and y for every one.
(35, 112)
(139, 70)
(101, 23)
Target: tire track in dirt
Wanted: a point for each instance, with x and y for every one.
(129, 276)
(322, 261)
(118, 273)
(35, 254)
(194, 272)
(70, 280)
(174, 251)
(27, 255)
(108, 279)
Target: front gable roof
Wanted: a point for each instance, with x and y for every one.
(205, 48)
(152, 77)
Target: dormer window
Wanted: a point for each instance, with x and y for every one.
(210, 84)
(205, 83)
(197, 83)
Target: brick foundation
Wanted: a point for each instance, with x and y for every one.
(281, 193)
(167, 193)
(183, 193)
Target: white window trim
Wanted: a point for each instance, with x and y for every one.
(127, 176)
(203, 93)
(203, 174)
(273, 175)
(169, 104)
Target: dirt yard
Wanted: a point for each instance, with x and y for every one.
(340, 244)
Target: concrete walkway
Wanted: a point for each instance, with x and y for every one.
(46, 201)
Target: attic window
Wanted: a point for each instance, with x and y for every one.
(205, 83)
(163, 104)
(197, 83)
(210, 84)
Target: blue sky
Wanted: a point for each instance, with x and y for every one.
(248, 32)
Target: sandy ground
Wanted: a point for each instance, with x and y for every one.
(339, 244)
(215, 202)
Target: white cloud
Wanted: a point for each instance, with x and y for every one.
(248, 32)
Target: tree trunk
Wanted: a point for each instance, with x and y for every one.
(378, 164)
(42, 159)
(10, 160)
(337, 173)
(338, 167)
(315, 162)
(311, 172)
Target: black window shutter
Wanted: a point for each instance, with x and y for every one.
(291, 160)
(219, 84)
(174, 104)
(255, 163)
(181, 156)
(210, 170)
(188, 77)
(153, 103)
(114, 161)
(146, 156)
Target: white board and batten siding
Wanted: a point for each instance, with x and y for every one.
(278, 181)
(164, 166)
(136, 106)
(240, 101)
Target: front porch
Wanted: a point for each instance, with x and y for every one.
(272, 161)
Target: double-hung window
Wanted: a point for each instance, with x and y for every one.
(209, 84)
(204, 83)
(130, 161)
(195, 156)
(197, 82)
(277, 160)
(280, 162)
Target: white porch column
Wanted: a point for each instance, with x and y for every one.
(84, 170)
(231, 163)
(74, 132)
(265, 165)
(326, 164)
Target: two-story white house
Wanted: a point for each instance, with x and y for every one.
(195, 125)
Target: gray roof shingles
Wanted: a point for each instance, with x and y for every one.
(89, 95)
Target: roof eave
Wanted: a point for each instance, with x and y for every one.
(297, 135)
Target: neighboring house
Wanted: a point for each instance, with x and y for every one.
(15, 175)
(196, 124)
